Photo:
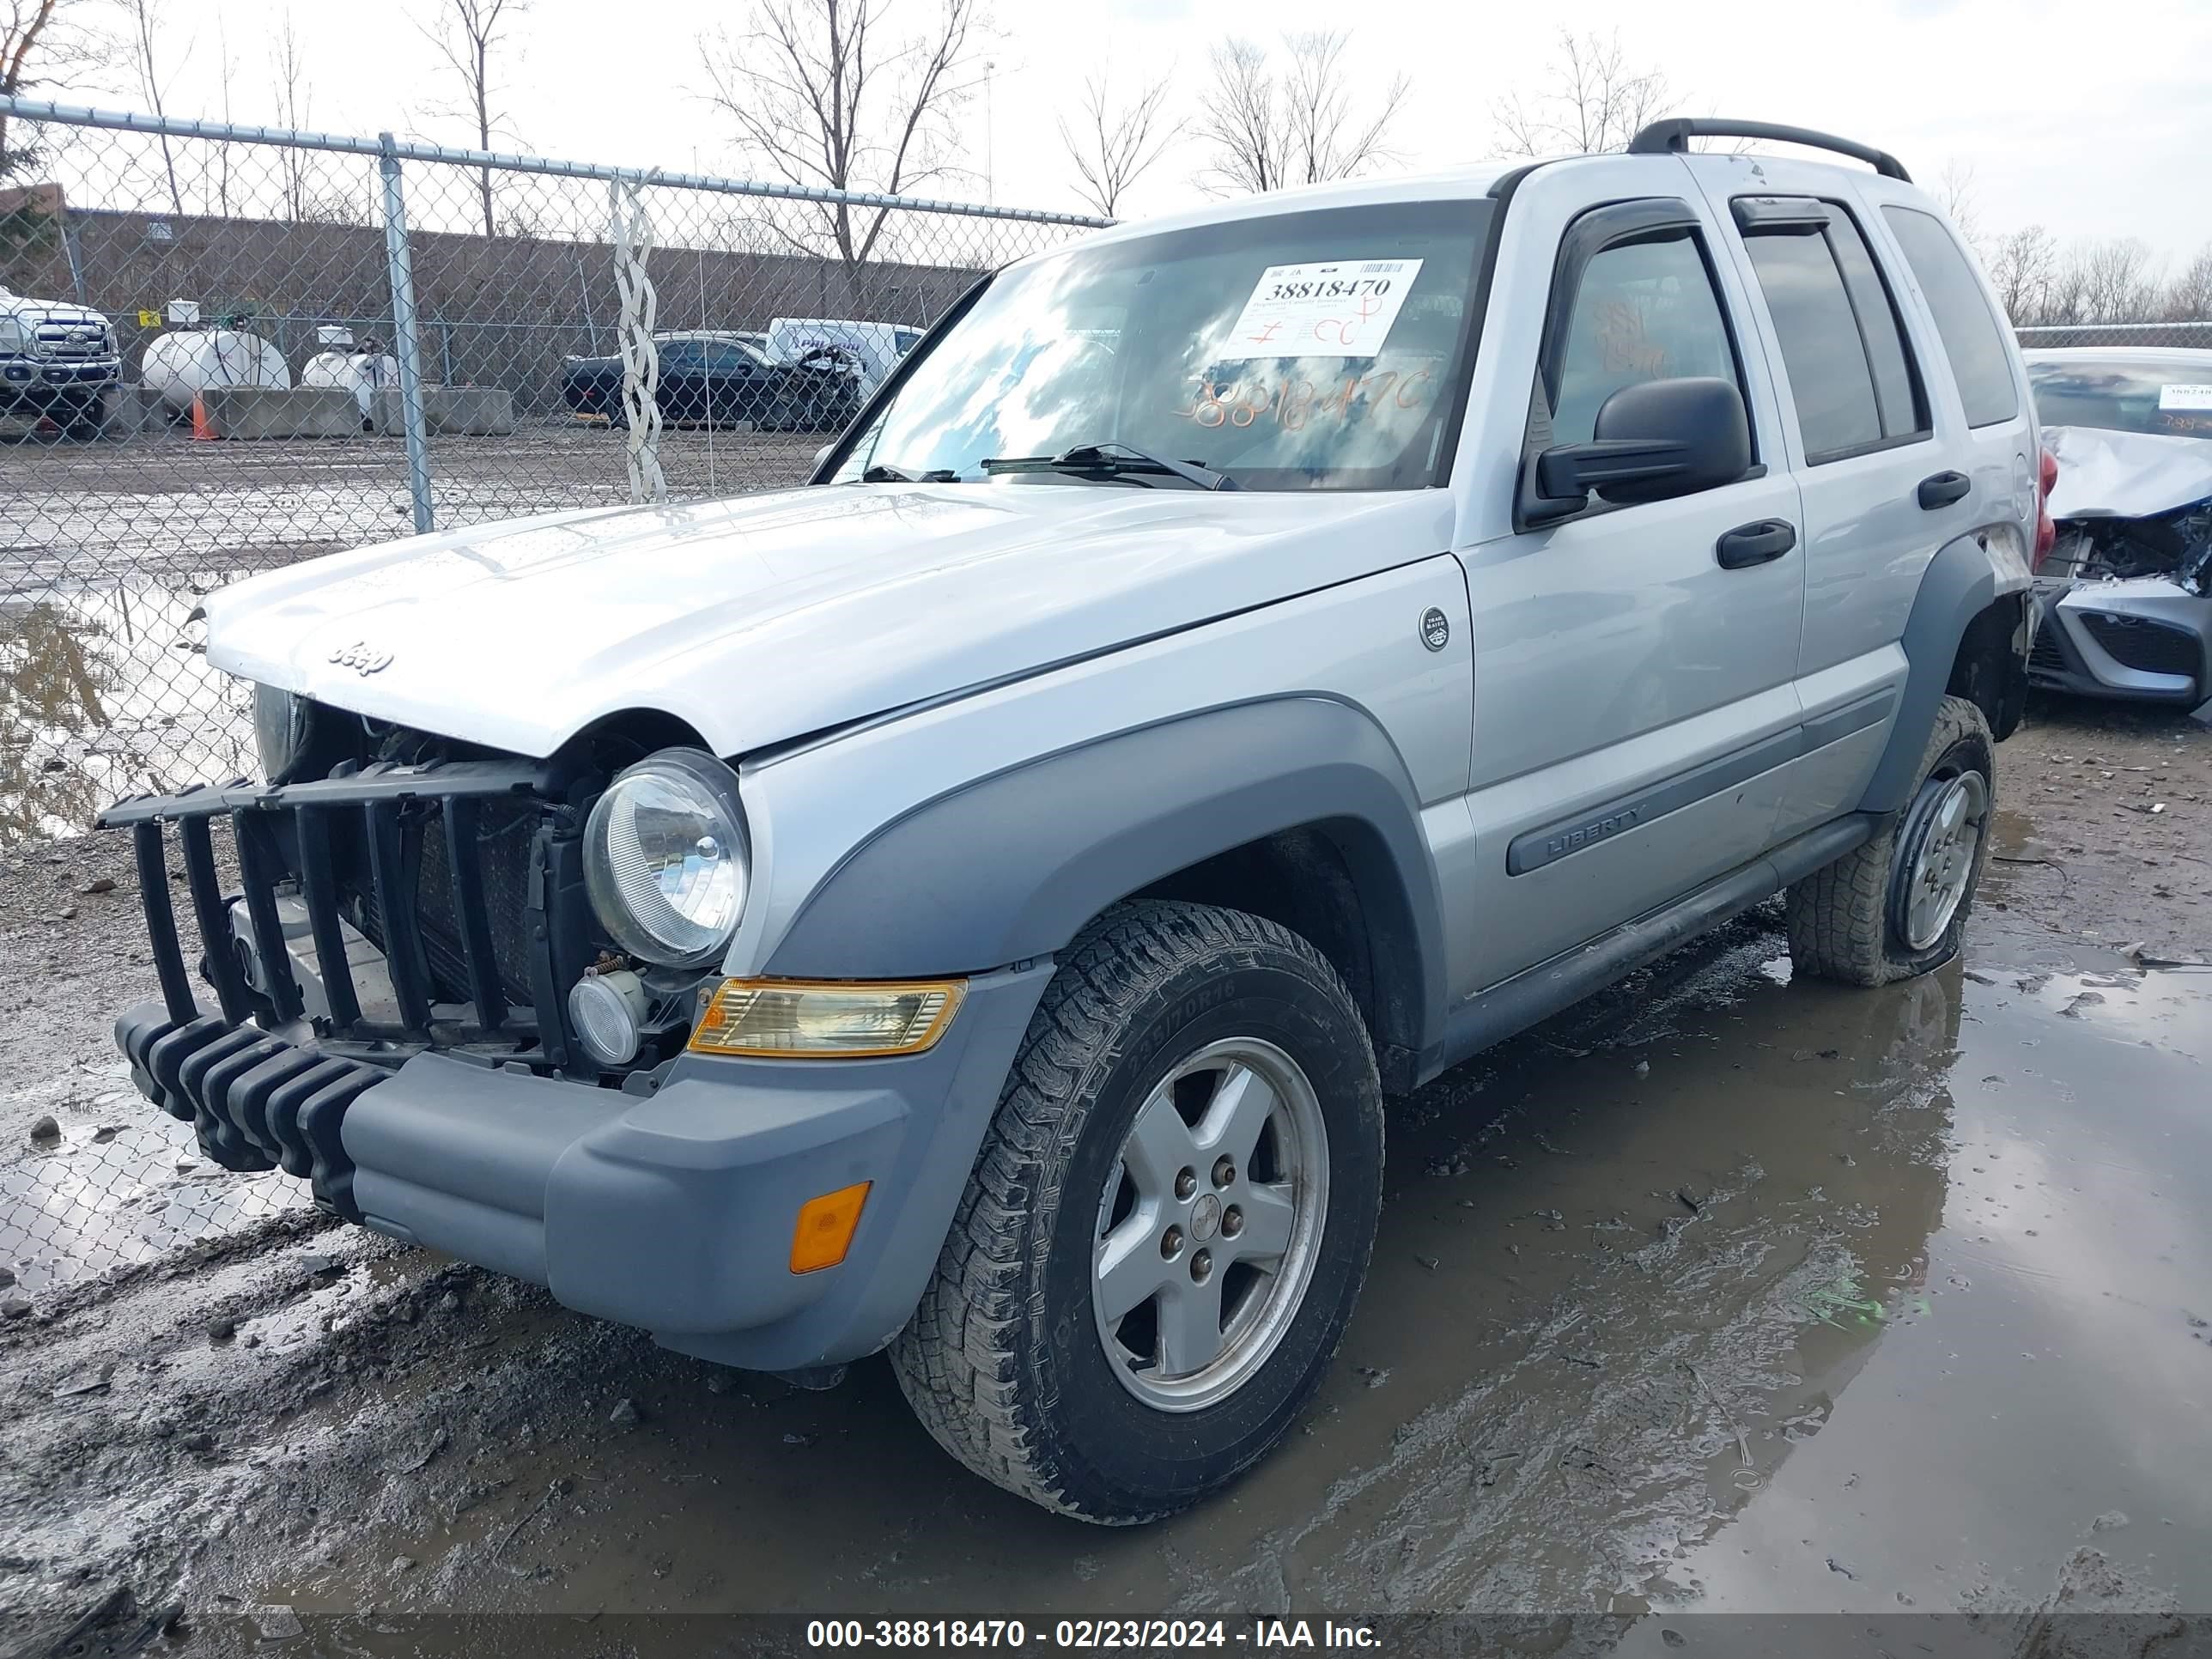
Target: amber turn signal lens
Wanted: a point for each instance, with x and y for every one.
(809, 1019)
(825, 1227)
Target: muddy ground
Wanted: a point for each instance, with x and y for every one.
(1722, 1292)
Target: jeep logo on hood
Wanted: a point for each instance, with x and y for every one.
(360, 657)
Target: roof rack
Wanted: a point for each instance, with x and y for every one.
(1672, 137)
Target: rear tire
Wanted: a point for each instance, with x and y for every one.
(1897, 906)
(1119, 1163)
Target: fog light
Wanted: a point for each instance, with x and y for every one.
(608, 1010)
(825, 1227)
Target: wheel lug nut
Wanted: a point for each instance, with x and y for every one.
(1186, 1182)
(1171, 1243)
(1224, 1171)
(1201, 1265)
(1232, 1222)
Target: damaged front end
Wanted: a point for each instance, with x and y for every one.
(2127, 588)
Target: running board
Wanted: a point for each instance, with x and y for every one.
(1514, 1005)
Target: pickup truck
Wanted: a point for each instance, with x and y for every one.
(58, 361)
(1237, 666)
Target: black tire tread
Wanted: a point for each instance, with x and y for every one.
(956, 1360)
(1838, 927)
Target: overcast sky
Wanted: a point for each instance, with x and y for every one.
(2094, 121)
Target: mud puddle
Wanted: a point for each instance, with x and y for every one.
(105, 692)
(1723, 1293)
(131, 1186)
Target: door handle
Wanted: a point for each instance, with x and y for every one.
(1941, 488)
(1755, 543)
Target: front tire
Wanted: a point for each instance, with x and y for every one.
(1897, 906)
(87, 422)
(1168, 1224)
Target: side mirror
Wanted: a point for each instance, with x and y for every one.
(821, 455)
(1650, 442)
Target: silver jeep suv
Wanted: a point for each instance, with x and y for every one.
(1237, 667)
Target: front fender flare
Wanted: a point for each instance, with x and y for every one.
(1011, 866)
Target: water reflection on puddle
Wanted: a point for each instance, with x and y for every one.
(126, 1187)
(104, 692)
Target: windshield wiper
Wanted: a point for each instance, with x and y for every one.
(1096, 458)
(881, 474)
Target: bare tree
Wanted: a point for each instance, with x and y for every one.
(228, 70)
(1954, 192)
(2189, 296)
(824, 95)
(2064, 295)
(1595, 103)
(43, 43)
(295, 106)
(144, 46)
(1264, 128)
(1249, 143)
(466, 34)
(2020, 267)
(2121, 284)
(1114, 145)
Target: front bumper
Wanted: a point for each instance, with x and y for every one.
(665, 1199)
(2141, 640)
(38, 383)
(672, 1210)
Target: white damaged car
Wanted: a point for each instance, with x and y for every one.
(2127, 590)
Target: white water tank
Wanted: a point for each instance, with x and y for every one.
(179, 367)
(361, 373)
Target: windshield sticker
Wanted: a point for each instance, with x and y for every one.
(1342, 309)
(2184, 397)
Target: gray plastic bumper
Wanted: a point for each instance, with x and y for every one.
(674, 1212)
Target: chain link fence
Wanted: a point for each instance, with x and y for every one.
(223, 350)
(2043, 335)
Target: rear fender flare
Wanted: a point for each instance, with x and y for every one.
(1964, 578)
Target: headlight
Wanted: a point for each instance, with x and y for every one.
(282, 726)
(664, 858)
(14, 336)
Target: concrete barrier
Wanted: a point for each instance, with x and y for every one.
(449, 411)
(267, 412)
(133, 409)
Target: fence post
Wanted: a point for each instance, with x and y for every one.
(402, 271)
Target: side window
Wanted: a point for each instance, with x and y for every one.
(1973, 337)
(1896, 384)
(1850, 373)
(1644, 311)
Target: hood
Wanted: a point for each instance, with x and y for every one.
(2126, 475)
(65, 312)
(766, 617)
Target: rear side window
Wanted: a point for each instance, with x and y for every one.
(1644, 311)
(1973, 337)
(1896, 388)
(1830, 377)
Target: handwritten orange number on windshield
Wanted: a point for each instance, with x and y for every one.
(1293, 403)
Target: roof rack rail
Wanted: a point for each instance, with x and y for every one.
(1672, 137)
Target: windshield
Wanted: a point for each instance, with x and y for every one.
(2169, 395)
(1317, 350)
